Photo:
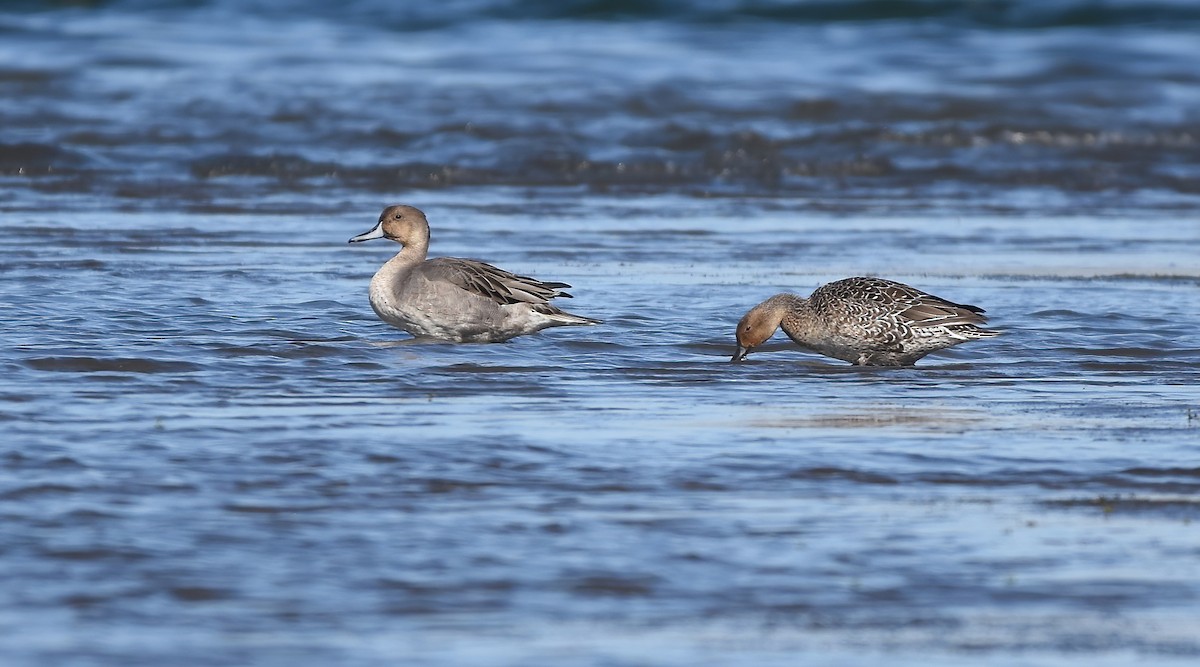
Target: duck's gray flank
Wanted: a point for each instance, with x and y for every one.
(865, 321)
(456, 299)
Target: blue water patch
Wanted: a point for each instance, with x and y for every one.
(212, 451)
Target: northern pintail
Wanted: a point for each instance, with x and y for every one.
(459, 300)
(865, 321)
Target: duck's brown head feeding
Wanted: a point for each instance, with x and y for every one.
(756, 327)
(404, 224)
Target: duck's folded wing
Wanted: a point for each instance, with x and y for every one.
(922, 309)
(493, 283)
(934, 312)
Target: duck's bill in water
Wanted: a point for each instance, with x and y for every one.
(740, 354)
(375, 233)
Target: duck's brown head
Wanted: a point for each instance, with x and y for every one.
(756, 327)
(404, 224)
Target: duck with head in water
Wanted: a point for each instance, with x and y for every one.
(865, 321)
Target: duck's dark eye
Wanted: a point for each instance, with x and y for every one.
(398, 216)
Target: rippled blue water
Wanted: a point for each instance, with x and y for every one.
(212, 452)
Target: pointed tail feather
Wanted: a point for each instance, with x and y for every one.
(564, 317)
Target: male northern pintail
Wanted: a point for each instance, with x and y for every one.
(459, 300)
(866, 321)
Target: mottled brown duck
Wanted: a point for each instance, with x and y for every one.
(865, 321)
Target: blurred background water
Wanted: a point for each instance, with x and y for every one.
(213, 453)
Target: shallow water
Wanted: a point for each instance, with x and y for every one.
(213, 453)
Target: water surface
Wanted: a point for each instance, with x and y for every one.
(213, 453)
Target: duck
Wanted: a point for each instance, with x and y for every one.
(455, 299)
(865, 321)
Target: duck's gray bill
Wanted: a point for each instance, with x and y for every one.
(375, 233)
(741, 353)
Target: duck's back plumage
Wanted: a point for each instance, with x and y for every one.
(881, 321)
(886, 305)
